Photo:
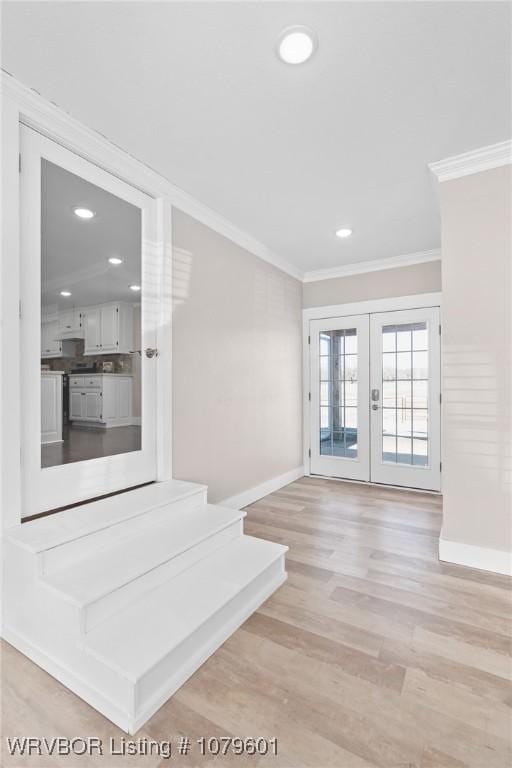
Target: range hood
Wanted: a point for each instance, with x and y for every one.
(71, 334)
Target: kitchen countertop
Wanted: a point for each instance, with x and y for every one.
(55, 373)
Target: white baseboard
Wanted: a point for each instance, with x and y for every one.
(241, 500)
(495, 560)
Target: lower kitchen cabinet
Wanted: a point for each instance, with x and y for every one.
(51, 407)
(103, 399)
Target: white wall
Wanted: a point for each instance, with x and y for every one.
(237, 370)
(476, 215)
(385, 284)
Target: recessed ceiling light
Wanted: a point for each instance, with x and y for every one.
(134, 287)
(83, 213)
(296, 45)
(345, 232)
(65, 293)
(115, 260)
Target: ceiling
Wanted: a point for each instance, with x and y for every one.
(75, 252)
(288, 154)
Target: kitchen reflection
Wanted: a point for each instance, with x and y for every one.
(90, 321)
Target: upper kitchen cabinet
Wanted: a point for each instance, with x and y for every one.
(108, 329)
(52, 344)
(70, 325)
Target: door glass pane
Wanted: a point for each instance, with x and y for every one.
(338, 393)
(405, 394)
(90, 320)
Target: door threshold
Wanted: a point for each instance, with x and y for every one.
(375, 485)
(29, 518)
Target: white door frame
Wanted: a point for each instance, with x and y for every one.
(20, 105)
(413, 301)
(57, 486)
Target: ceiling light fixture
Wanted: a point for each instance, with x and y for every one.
(296, 45)
(344, 232)
(115, 260)
(65, 293)
(83, 213)
(134, 287)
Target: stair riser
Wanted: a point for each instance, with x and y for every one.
(184, 660)
(94, 613)
(68, 553)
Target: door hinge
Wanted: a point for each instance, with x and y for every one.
(309, 453)
(440, 397)
(309, 339)
(19, 162)
(440, 466)
(19, 309)
(439, 328)
(309, 396)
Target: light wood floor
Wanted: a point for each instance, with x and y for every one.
(372, 654)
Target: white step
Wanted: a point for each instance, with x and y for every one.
(157, 642)
(104, 582)
(60, 539)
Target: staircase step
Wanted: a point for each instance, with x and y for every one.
(104, 582)
(62, 538)
(159, 641)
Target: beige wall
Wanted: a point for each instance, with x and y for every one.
(388, 283)
(477, 350)
(237, 372)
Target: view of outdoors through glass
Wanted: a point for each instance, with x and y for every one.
(405, 393)
(338, 393)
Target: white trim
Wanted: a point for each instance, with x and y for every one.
(375, 265)
(10, 369)
(242, 500)
(483, 558)
(475, 161)
(55, 123)
(413, 301)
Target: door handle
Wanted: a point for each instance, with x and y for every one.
(375, 395)
(375, 407)
(150, 352)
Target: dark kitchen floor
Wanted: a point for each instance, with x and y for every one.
(81, 443)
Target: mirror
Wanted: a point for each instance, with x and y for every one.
(90, 320)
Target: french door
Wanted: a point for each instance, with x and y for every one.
(339, 397)
(89, 249)
(375, 398)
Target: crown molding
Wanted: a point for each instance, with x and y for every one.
(482, 159)
(52, 121)
(375, 265)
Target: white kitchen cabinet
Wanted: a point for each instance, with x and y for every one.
(103, 399)
(108, 328)
(109, 323)
(92, 331)
(75, 405)
(51, 346)
(51, 407)
(70, 324)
